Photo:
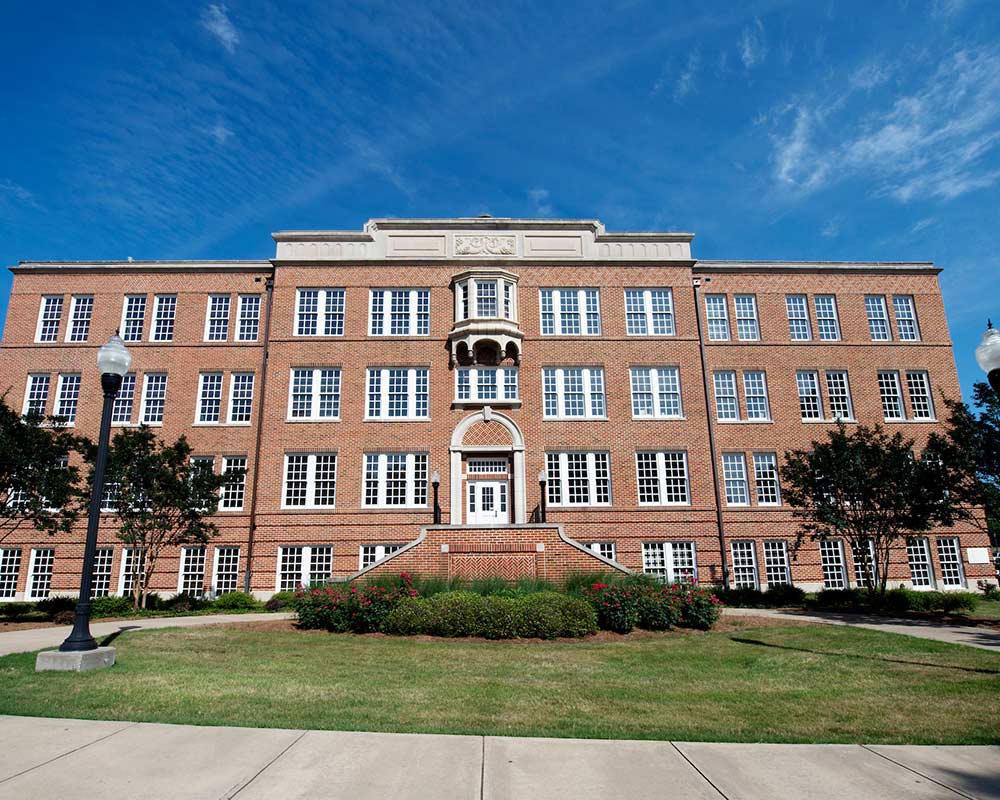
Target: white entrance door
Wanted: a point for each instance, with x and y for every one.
(486, 503)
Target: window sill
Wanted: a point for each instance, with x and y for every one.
(574, 506)
(396, 508)
(480, 403)
(921, 421)
(653, 418)
(575, 419)
(745, 421)
(396, 419)
(312, 419)
(308, 509)
(831, 421)
(221, 424)
(664, 505)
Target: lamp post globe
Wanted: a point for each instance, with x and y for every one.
(988, 356)
(113, 363)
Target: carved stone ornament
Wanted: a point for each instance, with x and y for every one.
(485, 246)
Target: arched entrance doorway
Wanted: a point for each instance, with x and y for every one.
(487, 471)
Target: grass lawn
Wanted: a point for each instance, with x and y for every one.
(802, 683)
(987, 608)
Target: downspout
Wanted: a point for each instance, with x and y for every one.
(696, 284)
(269, 294)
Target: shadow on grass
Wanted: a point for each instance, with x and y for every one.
(112, 636)
(759, 643)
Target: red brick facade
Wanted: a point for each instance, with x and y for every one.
(538, 255)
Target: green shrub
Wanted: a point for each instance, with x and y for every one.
(782, 594)
(237, 601)
(491, 586)
(410, 617)
(956, 602)
(15, 611)
(430, 586)
(526, 586)
(698, 605)
(279, 601)
(51, 606)
(64, 617)
(501, 617)
(185, 601)
(110, 606)
(840, 599)
(549, 615)
(322, 609)
(361, 610)
(616, 606)
(659, 609)
(741, 598)
(458, 614)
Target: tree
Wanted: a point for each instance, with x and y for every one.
(38, 486)
(971, 447)
(868, 488)
(162, 499)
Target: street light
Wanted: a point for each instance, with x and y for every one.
(436, 482)
(542, 479)
(988, 356)
(113, 362)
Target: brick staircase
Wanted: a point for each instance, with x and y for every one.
(541, 551)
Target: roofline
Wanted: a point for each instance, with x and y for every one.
(228, 265)
(815, 266)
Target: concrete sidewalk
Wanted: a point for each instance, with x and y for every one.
(969, 635)
(45, 758)
(32, 639)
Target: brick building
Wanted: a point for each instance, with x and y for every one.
(511, 359)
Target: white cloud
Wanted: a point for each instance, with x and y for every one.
(13, 194)
(944, 9)
(540, 198)
(216, 21)
(870, 74)
(922, 224)
(752, 47)
(220, 132)
(685, 82)
(931, 142)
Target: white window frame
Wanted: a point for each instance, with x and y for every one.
(414, 463)
(310, 480)
(75, 317)
(306, 576)
(468, 377)
(604, 549)
(222, 316)
(748, 316)
(660, 460)
(722, 380)
(583, 311)
(201, 407)
(246, 321)
(831, 552)
(827, 315)
(124, 401)
(918, 554)
(858, 566)
(233, 489)
(719, 302)
(380, 551)
(44, 578)
(331, 310)
(10, 572)
(775, 559)
(413, 375)
(797, 311)
(747, 394)
(889, 379)
(830, 394)
(104, 558)
(66, 380)
(813, 378)
(657, 376)
(56, 301)
(744, 560)
(656, 553)
(878, 318)
(144, 403)
(950, 567)
(130, 316)
(236, 378)
(182, 568)
(217, 556)
(594, 391)
(418, 298)
(170, 321)
(558, 479)
(905, 303)
(40, 379)
(769, 461)
(639, 307)
(920, 379)
(315, 394)
(734, 479)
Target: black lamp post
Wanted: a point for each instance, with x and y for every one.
(436, 483)
(113, 361)
(542, 479)
(988, 356)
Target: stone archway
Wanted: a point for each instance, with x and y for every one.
(488, 431)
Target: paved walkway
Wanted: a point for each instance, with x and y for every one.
(43, 638)
(45, 758)
(981, 637)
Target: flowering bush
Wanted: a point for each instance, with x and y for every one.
(616, 605)
(659, 608)
(623, 606)
(360, 610)
(699, 607)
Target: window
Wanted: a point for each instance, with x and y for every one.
(561, 312)
(154, 394)
(765, 472)
(80, 311)
(248, 327)
(49, 317)
(399, 312)
(892, 399)
(227, 570)
(734, 475)
(164, 315)
(838, 394)
(776, 567)
(878, 320)
(744, 565)
(233, 492)
(921, 402)
(397, 393)
(371, 554)
(486, 466)
(395, 480)
(810, 403)
(217, 318)
(918, 554)
(310, 480)
(474, 384)
(10, 569)
(656, 392)
(192, 576)
(649, 311)
(303, 566)
(950, 561)
(36, 396)
(314, 394)
(133, 317)
(318, 312)
(717, 314)
(798, 318)
(726, 404)
(906, 318)
(571, 392)
(68, 397)
(578, 479)
(674, 562)
(662, 478)
(755, 395)
(40, 573)
(491, 297)
(603, 549)
(486, 299)
(826, 317)
(101, 582)
(121, 408)
(240, 398)
(831, 552)
(859, 552)
(109, 497)
(209, 397)
(747, 326)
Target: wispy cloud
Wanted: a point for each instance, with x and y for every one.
(684, 83)
(752, 47)
(216, 21)
(13, 194)
(945, 9)
(922, 224)
(870, 75)
(931, 142)
(540, 199)
(831, 229)
(219, 132)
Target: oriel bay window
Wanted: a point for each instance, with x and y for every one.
(485, 297)
(486, 384)
(578, 478)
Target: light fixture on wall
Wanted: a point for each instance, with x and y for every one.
(988, 356)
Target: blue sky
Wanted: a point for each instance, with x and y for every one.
(773, 130)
